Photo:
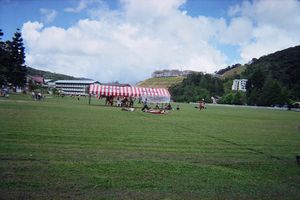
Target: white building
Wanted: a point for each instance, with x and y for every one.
(171, 73)
(239, 84)
(74, 87)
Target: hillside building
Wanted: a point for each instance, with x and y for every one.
(37, 80)
(74, 87)
(171, 73)
(239, 84)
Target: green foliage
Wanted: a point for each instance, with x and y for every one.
(12, 61)
(252, 97)
(272, 93)
(239, 98)
(282, 66)
(4, 61)
(272, 79)
(227, 99)
(236, 98)
(49, 75)
(197, 86)
(55, 91)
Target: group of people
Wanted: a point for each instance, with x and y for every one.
(37, 96)
(157, 109)
(4, 93)
(119, 101)
(127, 104)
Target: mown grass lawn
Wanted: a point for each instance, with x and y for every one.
(62, 148)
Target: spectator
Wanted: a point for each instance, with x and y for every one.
(145, 107)
(202, 104)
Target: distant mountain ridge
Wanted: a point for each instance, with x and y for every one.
(50, 75)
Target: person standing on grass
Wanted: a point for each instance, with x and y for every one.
(119, 103)
(145, 107)
(131, 102)
(33, 95)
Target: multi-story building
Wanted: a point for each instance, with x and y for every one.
(239, 84)
(74, 87)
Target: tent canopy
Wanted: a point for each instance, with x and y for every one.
(153, 95)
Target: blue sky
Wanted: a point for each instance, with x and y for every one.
(14, 13)
(126, 40)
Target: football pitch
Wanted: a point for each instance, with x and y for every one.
(63, 148)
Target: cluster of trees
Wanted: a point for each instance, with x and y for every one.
(204, 86)
(197, 86)
(272, 80)
(275, 78)
(264, 90)
(12, 61)
(50, 75)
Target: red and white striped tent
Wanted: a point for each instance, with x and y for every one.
(153, 95)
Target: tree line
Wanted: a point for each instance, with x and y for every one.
(197, 86)
(12, 60)
(272, 80)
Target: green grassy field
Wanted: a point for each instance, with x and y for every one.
(66, 149)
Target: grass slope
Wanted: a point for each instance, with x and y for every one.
(62, 148)
(233, 72)
(163, 82)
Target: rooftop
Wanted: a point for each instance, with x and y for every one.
(76, 81)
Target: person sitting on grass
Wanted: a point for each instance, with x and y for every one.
(202, 104)
(156, 111)
(168, 107)
(128, 109)
(157, 106)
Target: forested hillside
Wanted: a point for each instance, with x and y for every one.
(50, 75)
(197, 86)
(272, 79)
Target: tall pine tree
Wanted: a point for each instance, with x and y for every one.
(17, 57)
(4, 62)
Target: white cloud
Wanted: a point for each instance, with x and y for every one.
(82, 5)
(48, 15)
(125, 47)
(130, 43)
(274, 25)
(238, 32)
